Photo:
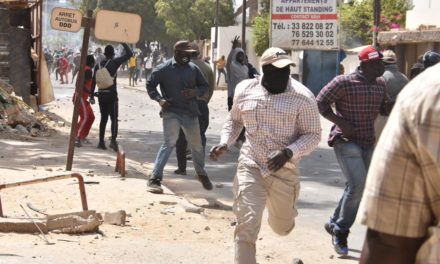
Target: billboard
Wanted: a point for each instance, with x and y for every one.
(304, 24)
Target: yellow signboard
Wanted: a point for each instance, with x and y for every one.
(66, 19)
(117, 26)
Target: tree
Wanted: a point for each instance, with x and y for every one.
(261, 33)
(356, 20)
(261, 28)
(152, 27)
(193, 19)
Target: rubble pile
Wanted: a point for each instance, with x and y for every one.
(17, 118)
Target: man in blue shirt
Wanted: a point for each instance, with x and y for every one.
(180, 83)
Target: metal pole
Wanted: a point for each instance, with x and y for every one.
(79, 177)
(243, 29)
(270, 24)
(215, 46)
(87, 23)
(376, 17)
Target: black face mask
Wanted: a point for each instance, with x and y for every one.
(373, 70)
(275, 80)
(182, 57)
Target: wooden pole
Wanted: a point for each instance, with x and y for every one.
(87, 22)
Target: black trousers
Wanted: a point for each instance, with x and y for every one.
(182, 144)
(108, 106)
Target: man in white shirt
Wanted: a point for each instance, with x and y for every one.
(282, 125)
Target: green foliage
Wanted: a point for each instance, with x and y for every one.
(193, 19)
(356, 20)
(261, 33)
(261, 28)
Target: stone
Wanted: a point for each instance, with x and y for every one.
(167, 203)
(21, 129)
(117, 218)
(297, 261)
(219, 185)
(48, 169)
(193, 209)
(34, 132)
(61, 124)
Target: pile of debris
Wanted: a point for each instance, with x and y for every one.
(18, 118)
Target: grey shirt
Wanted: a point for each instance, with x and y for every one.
(394, 81)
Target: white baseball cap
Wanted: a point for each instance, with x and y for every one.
(277, 57)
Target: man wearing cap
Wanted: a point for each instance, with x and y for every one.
(180, 83)
(394, 82)
(358, 97)
(282, 125)
(202, 102)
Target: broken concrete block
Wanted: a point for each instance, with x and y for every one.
(117, 218)
(22, 227)
(74, 223)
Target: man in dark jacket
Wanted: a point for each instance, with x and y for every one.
(180, 83)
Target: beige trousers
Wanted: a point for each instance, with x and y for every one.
(278, 192)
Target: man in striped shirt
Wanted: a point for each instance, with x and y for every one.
(282, 125)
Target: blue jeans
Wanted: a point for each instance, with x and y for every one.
(354, 161)
(172, 123)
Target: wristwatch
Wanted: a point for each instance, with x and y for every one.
(288, 152)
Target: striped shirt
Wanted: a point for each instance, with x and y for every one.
(357, 101)
(402, 193)
(273, 122)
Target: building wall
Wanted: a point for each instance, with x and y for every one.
(225, 36)
(425, 12)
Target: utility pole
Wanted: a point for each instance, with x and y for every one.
(215, 49)
(376, 16)
(243, 29)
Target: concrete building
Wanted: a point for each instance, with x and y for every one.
(422, 33)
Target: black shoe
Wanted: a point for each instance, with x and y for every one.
(101, 145)
(205, 182)
(78, 143)
(179, 171)
(329, 228)
(114, 145)
(154, 186)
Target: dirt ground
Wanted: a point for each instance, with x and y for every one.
(158, 229)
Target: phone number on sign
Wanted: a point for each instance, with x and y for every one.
(313, 42)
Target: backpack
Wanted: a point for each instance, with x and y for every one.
(103, 78)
